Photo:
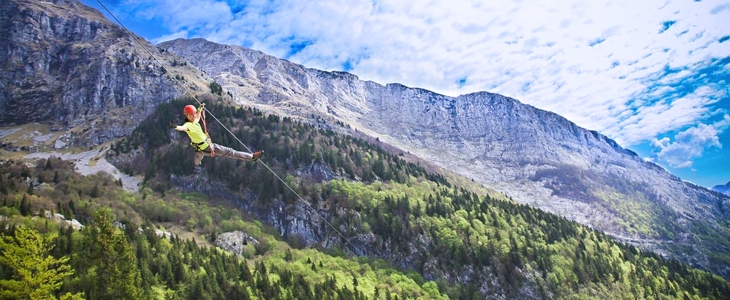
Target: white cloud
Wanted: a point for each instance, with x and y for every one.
(723, 124)
(687, 145)
(666, 116)
(177, 35)
(595, 62)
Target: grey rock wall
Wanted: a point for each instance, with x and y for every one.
(535, 156)
(64, 64)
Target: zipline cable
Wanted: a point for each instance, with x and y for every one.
(187, 90)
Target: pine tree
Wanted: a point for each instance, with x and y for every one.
(25, 206)
(36, 274)
(112, 264)
(72, 206)
(95, 191)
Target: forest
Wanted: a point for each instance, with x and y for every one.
(430, 238)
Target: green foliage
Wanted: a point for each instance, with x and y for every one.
(111, 271)
(25, 205)
(462, 242)
(637, 210)
(216, 88)
(634, 205)
(289, 146)
(138, 263)
(35, 273)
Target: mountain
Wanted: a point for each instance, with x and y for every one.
(536, 157)
(67, 66)
(725, 189)
(327, 142)
(90, 82)
(416, 235)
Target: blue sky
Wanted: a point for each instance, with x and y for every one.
(652, 75)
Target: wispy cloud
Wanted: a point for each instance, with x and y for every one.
(672, 101)
(629, 69)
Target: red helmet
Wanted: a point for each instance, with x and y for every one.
(189, 109)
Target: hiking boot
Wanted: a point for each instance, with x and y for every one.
(257, 155)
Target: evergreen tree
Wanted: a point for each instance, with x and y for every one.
(35, 273)
(72, 206)
(216, 88)
(3, 189)
(25, 206)
(95, 191)
(112, 269)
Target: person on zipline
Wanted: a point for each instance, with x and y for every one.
(200, 140)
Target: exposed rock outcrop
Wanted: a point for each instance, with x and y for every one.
(535, 156)
(64, 64)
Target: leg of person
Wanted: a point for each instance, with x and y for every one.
(200, 154)
(223, 151)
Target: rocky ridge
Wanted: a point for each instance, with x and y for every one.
(725, 189)
(537, 157)
(69, 68)
(66, 66)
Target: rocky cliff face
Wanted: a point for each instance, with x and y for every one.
(275, 85)
(64, 64)
(536, 157)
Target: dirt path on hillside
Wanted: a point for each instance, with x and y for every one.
(92, 162)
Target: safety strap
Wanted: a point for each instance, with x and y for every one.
(205, 128)
(197, 145)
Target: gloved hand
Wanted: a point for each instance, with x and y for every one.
(172, 124)
(201, 107)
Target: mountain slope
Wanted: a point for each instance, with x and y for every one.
(168, 258)
(536, 157)
(383, 207)
(65, 65)
(725, 189)
(447, 243)
(81, 75)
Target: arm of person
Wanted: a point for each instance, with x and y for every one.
(177, 127)
(199, 113)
